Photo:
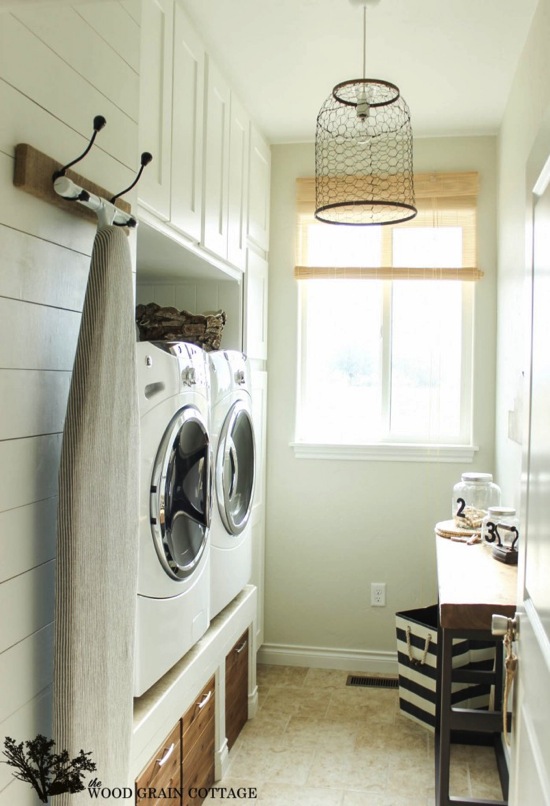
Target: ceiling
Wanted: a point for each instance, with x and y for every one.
(453, 60)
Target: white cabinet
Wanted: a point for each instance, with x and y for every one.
(238, 184)
(255, 307)
(187, 128)
(216, 161)
(259, 190)
(209, 178)
(155, 134)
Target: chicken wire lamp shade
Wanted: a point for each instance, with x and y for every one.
(363, 155)
(363, 151)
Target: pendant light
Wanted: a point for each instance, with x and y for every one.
(363, 152)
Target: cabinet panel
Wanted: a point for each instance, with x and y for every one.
(187, 127)
(162, 772)
(216, 161)
(198, 766)
(196, 717)
(259, 189)
(236, 689)
(157, 28)
(238, 184)
(255, 320)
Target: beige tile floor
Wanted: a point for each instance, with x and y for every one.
(317, 742)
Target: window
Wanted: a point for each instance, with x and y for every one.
(385, 338)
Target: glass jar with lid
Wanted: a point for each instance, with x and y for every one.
(478, 492)
(500, 532)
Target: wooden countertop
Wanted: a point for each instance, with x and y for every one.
(472, 585)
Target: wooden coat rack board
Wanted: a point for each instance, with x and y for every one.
(33, 173)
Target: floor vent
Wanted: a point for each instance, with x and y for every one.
(376, 682)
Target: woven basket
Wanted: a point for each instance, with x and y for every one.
(168, 324)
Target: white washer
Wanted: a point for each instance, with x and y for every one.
(234, 475)
(175, 504)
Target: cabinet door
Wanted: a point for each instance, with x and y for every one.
(255, 307)
(187, 127)
(238, 184)
(157, 28)
(216, 161)
(259, 189)
(236, 689)
(162, 772)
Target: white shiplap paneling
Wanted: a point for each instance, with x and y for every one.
(116, 26)
(33, 402)
(39, 73)
(25, 670)
(36, 336)
(34, 591)
(37, 266)
(27, 537)
(28, 470)
(97, 63)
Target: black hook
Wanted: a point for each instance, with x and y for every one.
(99, 123)
(146, 158)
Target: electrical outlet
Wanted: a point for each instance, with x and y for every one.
(378, 594)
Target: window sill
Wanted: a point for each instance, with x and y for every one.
(386, 452)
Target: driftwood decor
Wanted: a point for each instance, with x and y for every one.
(168, 324)
(33, 173)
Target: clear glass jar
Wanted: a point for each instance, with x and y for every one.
(500, 528)
(476, 491)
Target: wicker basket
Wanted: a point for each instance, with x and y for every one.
(168, 324)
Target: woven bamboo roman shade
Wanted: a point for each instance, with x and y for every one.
(442, 199)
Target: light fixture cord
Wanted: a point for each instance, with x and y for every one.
(364, 41)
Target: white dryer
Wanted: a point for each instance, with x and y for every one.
(232, 435)
(175, 505)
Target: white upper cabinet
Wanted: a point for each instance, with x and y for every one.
(238, 184)
(157, 26)
(208, 184)
(216, 161)
(259, 190)
(187, 128)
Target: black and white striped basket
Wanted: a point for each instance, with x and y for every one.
(417, 665)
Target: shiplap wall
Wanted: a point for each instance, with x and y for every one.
(59, 67)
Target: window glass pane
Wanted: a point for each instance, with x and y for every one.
(426, 359)
(343, 246)
(427, 247)
(341, 354)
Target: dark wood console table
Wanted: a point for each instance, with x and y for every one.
(472, 586)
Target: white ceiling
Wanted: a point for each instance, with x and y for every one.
(453, 60)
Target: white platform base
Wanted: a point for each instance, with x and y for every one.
(350, 660)
(157, 711)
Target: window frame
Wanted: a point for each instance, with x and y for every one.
(390, 447)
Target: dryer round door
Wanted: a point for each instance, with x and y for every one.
(235, 469)
(180, 494)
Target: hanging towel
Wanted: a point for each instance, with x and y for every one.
(97, 527)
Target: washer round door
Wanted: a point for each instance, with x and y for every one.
(180, 494)
(235, 469)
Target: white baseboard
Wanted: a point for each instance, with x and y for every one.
(221, 761)
(350, 660)
(253, 703)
